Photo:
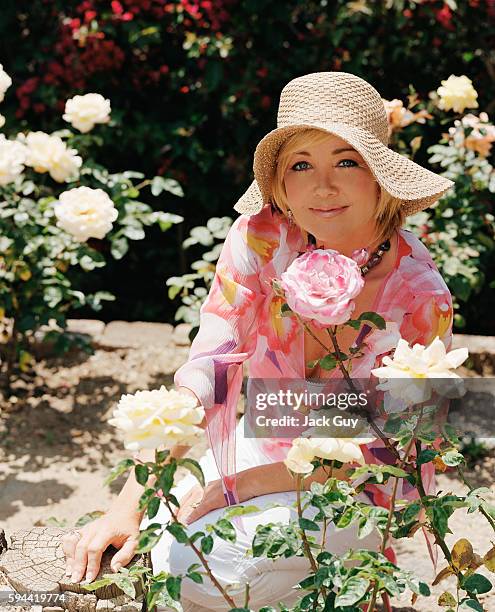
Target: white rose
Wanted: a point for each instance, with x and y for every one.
(12, 158)
(47, 153)
(414, 372)
(457, 93)
(2, 121)
(299, 457)
(346, 450)
(83, 112)
(85, 213)
(5, 82)
(161, 417)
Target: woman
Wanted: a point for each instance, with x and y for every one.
(324, 177)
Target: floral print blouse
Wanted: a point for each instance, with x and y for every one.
(240, 322)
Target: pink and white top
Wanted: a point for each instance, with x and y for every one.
(240, 320)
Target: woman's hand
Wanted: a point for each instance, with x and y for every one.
(198, 501)
(83, 552)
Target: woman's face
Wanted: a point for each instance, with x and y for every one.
(332, 194)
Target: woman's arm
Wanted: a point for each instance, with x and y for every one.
(255, 481)
(276, 478)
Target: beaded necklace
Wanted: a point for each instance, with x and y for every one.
(361, 255)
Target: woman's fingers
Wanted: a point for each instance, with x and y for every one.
(69, 543)
(81, 560)
(124, 555)
(96, 548)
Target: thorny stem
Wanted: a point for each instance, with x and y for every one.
(203, 560)
(389, 519)
(303, 533)
(422, 493)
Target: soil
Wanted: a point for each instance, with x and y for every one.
(56, 448)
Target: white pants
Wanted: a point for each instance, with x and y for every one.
(270, 580)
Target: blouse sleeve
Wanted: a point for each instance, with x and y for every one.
(226, 338)
(429, 315)
(227, 335)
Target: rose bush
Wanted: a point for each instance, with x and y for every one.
(59, 213)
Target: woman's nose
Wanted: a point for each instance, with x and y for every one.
(325, 186)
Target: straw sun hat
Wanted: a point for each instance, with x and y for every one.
(349, 107)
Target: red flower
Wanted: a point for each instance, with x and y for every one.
(444, 16)
(89, 16)
(266, 102)
(407, 13)
(117, 8)
(184, 89)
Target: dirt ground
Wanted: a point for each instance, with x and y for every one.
(56, 448)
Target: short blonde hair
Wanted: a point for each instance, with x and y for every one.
(389, 212)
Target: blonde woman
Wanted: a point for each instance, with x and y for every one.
(324, 177)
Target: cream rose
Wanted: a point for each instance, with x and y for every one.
(85, 213)
(12, 158)
(457, 93)
(2, 121)
(5, 82)
(83, 112)
(304, 450)
(47, 153)
(161, 417)
(413, 373)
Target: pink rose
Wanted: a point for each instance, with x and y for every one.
(320, 286)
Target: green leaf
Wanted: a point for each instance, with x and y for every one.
(148, 538)
(119, 469)
(240, 510)
(452, 458)
(352, 591)
(142, 473)
(411, 512)
(125, 584)
(353, 323)
(425, 456)
(195, 577)
(194, 467)
(153, 507)
(178, 531)
(328, 362)
(476, 584)
(207, 544)
(446, 600)
(159, 184)
(225, 530)
(471, 604)
(166, 478)
(308, 525)
(133, 233)
(173, 586)
(119, 247)
(373, 318)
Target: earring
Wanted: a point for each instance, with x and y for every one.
(290, 216)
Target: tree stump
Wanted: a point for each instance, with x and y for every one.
(33, 561)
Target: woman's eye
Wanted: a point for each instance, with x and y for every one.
(349, 160)
(295, 166)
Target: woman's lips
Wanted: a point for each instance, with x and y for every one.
(326, 214)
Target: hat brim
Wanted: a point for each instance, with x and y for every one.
(401, 177)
